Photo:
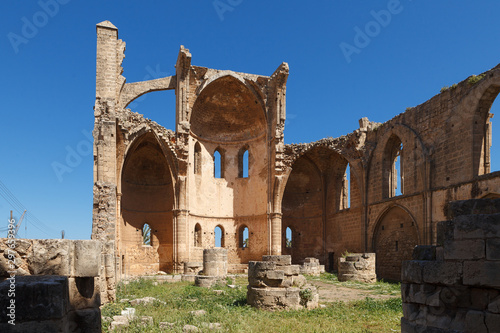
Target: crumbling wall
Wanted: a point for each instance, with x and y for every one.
(219, 110)
(455, 286)
(443, 145)
(50, 285)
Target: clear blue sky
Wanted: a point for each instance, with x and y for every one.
(48, 85)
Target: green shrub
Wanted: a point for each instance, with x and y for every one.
(475, 79)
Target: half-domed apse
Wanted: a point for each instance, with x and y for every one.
(147, 197)
(227, 111)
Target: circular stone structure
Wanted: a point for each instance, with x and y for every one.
(215, 262)
(357, 267)
(214, 267)
(275, 284)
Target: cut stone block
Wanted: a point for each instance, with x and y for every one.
(87, 258)
(36, 298)
(284, 260)
(482, 273)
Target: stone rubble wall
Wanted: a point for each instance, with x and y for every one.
(274, 283)
(53, 283)
(311, 266)
(358, 267)
(455, 286)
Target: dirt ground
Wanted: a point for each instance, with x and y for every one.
(332, 293)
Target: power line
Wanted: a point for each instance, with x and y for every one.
(19, 204)
(19, 207)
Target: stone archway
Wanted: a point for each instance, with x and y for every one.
(147, 197)
(395, 237)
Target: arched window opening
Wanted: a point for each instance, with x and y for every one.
(146, 235)
(398, 172)
(243, 237)
(288, 238)
(219, 236)
(197, 158)
(197, 235)
(492, 144)
(393, 168)
(345, 195)
(243, 167)
(218, 163)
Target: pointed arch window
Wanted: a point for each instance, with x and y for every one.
(219, 163)
(393, 168)
(146, 235)
(243, 163)
(345, 193)
(243, 237)
(288, 238)
(219, 236)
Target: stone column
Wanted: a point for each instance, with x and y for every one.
(180, 233)
(181, 219)
(276, 233)
(215, 262)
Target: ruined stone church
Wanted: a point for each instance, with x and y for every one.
(161, 195)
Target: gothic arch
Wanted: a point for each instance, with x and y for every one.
(394, 236)
(415, 151)
(488, 90)
(147, 194)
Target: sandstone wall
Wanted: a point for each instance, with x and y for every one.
(53, 285)
(444, 148)
(455, 286)
(443, 145)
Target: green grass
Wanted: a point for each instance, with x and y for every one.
(231, 311)
(378, 288)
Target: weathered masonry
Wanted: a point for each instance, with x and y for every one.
(225, 177)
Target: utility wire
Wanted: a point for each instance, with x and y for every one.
(19, 204)
(19, 207)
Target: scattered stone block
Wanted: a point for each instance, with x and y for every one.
(198, 313)
(166, 325)
(190, 328)
(147, 320)
(145, 301)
